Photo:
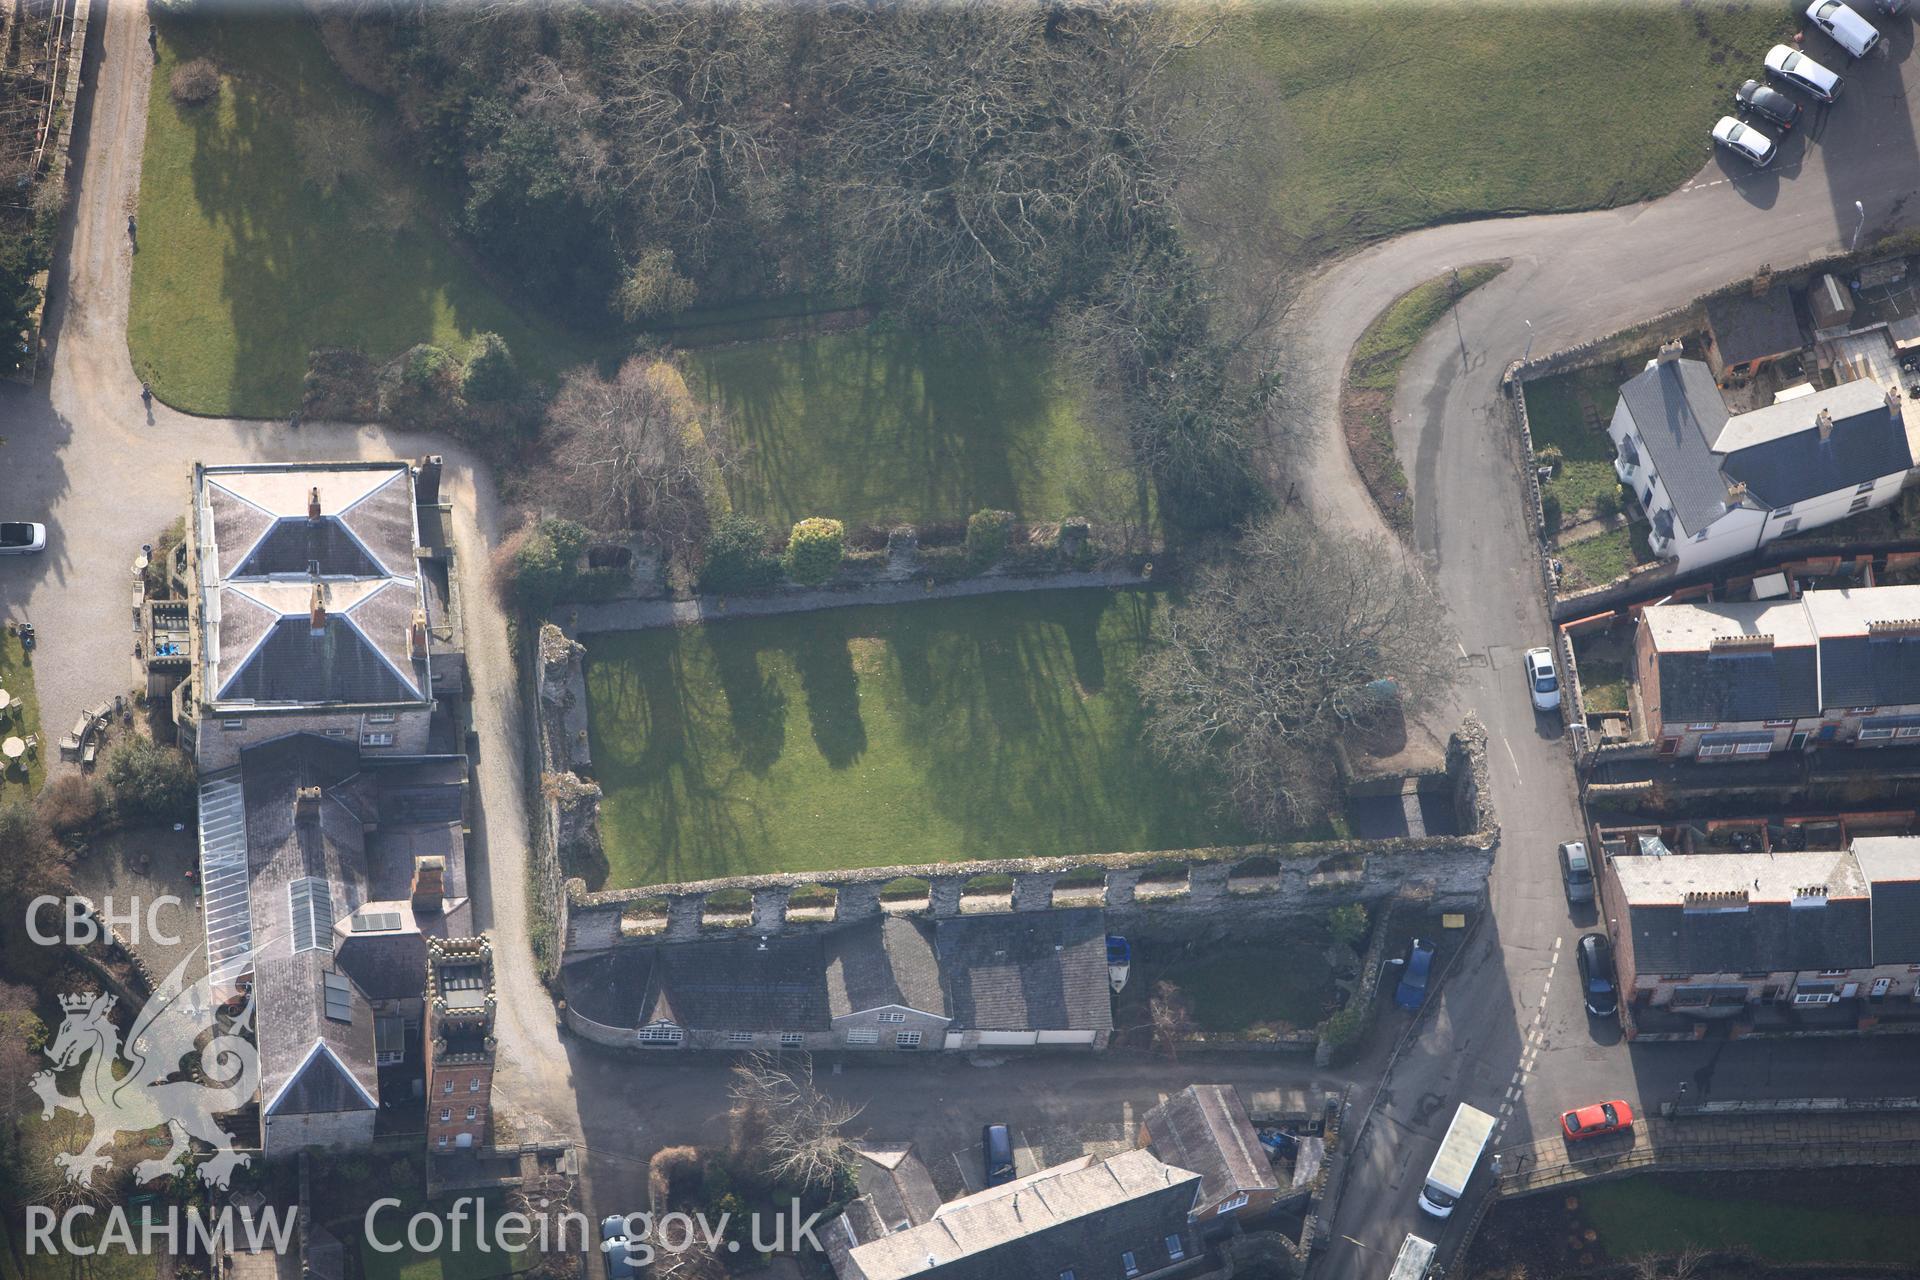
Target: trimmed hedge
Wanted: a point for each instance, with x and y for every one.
(815, 549)
(987, 534)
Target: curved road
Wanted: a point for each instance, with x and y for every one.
(1506, 1032)
(1509, 1033)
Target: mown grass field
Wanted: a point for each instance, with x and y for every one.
(992, 727)
(243, 268)
(880, 424)
(1383, 115)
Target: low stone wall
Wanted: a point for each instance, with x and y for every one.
(1449, 871)
(569, 804)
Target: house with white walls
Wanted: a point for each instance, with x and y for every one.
(1715, 485)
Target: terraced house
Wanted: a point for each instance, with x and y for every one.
(1744, 679)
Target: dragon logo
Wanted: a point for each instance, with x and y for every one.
(172, 1025)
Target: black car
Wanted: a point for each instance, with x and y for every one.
(1767, 102)
(1890, 8)
(1597, 990)
(996, 1148)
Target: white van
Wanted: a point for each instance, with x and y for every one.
(1458, 1157)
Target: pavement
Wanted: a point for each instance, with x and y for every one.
(1506, 1030)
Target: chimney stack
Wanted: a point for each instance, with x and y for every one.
(426, 480)
(1824, 421)
(317, 613)
(306, 806)
(1894, 404)
(1670, 351)
(313, 503)
(1736, 494)
(417, 636)
(429, 885)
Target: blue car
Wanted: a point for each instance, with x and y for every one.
(1412, 991)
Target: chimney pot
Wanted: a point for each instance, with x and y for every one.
(417, 635)
(317, 612)
(1670, 351)
(1824, 421)
(313, 503)
(429, 885)
(306, 806)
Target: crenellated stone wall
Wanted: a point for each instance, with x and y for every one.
(1210, 898)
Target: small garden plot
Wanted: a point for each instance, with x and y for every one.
(1568, 414)
(1598, 560)
(1603, 660)
(985, 728)
(877, 425)
(1256, 990)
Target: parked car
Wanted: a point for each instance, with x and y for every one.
(1576, 872)
(1849, 30)
(1414, 973)
(996, 1149)
(1746, 141)
(1601, 1117)
(1543, 682)
(1890, 8)
(1760, 99)
(19, 538)
(1595, 958)
(616, 1251)
(1792, 67)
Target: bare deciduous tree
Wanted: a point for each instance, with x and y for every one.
(1278, 651)
(1169, 1017)
(638, 453)
(802, 1131)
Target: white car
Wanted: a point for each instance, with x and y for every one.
(1543, 682)
(19, 539)
(1746, 140)
(1793, 67)
(1849, 30)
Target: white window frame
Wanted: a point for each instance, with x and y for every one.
(1907, 731)
(863, 1035)
(233, 724)
(1715, 749)
(1176, 1248)
(1790, 528)
(1128, 1264)
(446, 1115)
(1702, 728)
(1866, 486)
(473, 1113)
(893, 1015)
(1752, 748)
(381, 739)
(473, 1084)
(1860, 504)
(337, 733)
(792, 1039)
(739, 1037)
(661, 1035)
(443, 1139)
(906, 1039)
(446, 1086)
(1875, 735)
(382, 717)
(1228, 1206)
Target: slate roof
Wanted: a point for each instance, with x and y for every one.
(1735, 913)
(1891, 865)
(892, 964)
(1205, 1128)
(1041, 970)
(1078, 1220)
(895, 1185)
(1766, 684)
(289, 990)
(1010, 971)
(1749, 328)
(261, 558)
(1858, 668)
(1677, 412)
(1867, 441)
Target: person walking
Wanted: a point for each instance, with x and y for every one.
(153, 41)
(146, 395)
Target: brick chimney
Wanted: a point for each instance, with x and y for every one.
(313, 503)
(1895, 405)
(426, 480)
(417, 636)
(1736, 494)
(306, 806)
(317, 612)
(429, 885)
(1824, 421)
(1670, 351)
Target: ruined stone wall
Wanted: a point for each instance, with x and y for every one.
(569, 803)
(1208, 901)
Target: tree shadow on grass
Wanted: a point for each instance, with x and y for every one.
(824, 660)
(674, 809)
(756, 703)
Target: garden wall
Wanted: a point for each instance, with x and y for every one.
(1193, 891)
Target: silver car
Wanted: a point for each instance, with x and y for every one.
(21, 538)
(1790, 66)
(1746, 141)
(1576, 872)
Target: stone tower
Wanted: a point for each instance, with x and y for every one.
(459, 1039)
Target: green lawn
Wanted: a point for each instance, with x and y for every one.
(469, 1262)
(993, 727)
(1248, 990)
(1557, 409)
(882, 424)
(1655, 1215)
(243, 269)
(1601, 558)
(1381, 115)
(1603, 684)
(1378, 355)
(22, 717)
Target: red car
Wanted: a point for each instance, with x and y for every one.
(1601, 1117)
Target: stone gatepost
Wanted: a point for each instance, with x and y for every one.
(857, 901)
(1033, 890)
(943, 894)
(1121, 882)
(1207, 881)
(770, 908)
(685, 911)
(903, 547)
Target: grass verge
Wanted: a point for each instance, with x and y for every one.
(1774, 1220)
(244, 267)
(1379, 117)
(1373, 374)
(876, 424)
(996, 727)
